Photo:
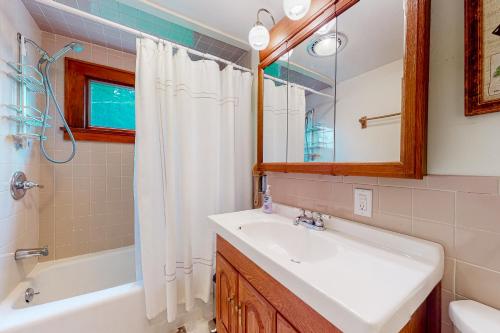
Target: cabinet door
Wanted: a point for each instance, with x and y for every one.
(225, 291)
(255, 314)
(283, 326)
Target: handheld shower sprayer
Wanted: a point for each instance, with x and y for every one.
(44, 64)
(70, 47)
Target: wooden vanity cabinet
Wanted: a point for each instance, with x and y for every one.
(283, 326)
(225, 293)
(248, 300)
(255, 313)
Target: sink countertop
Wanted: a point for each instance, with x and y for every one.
(360, 278)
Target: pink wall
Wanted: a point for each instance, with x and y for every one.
(460, 213)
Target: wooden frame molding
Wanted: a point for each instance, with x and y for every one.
(474, 69)
(77, 75)
(287, 34)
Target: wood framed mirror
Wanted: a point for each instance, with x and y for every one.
(343, 91)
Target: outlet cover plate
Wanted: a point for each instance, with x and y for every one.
(363, 202)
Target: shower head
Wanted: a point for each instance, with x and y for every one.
(71, 46)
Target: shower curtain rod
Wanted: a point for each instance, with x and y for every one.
(267, 76)
(97, 19)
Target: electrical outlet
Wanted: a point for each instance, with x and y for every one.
(363, 202)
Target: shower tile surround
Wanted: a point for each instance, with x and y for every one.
(87, 204)
(56, 21)
(459, 212)
(18, 219)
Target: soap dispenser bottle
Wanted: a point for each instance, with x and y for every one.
(268, 201)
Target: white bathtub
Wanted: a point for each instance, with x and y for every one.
(94, 293)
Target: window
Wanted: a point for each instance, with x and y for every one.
(99, 102)
(111, 106)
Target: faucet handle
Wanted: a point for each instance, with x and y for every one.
(302, 212)
(28, 184)
(319, 219)
(19, 185)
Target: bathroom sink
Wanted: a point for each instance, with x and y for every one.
(289, 241)
(360, 278)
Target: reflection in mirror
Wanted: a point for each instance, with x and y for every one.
(369, 82)
(302, 83)
(275, 111)
(311, 115)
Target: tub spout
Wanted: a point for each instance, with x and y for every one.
(29, 253)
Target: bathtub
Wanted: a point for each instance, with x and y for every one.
(93, 293)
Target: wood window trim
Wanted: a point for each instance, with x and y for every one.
(77, 75)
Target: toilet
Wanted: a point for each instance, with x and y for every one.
(473, 317)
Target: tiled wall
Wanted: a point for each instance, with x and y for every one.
(18, 219)
(460, 213)
(87, 204)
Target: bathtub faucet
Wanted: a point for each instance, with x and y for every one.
(29, 253)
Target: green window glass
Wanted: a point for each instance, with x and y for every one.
(111, 106)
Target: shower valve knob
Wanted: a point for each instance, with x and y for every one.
(19, 184)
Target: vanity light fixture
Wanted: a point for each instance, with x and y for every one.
(296, 9)
(258, 37)
(327, 45)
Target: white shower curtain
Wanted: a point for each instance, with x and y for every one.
(284, 122)
(193, 158)
(296, 123)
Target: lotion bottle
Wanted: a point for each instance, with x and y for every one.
(268, 201)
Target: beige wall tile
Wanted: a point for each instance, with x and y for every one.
(396, 182)
(464, 183)
(478, 284)
(360, 180)
(478, 247)
(434, 205)
(480, 211)
(395, 200)
(436, 232)
(446, 298)
(89, 193)
(342, 201)
(396, 223)
(99, 55)
(448, 282)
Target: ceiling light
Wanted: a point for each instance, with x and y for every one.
(327, 45)
(286, 56)
(327, 27)
(258, 36)
(296, 9)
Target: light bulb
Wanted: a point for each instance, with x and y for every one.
(296, 9)
(258, 37)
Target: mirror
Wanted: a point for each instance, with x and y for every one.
(311, 96)
(369, 82)
(344, 91)
(275, 107)
(303, 85)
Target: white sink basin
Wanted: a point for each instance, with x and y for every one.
(362, 279)
(290, 242)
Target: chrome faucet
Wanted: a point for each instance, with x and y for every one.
(29, 253)
(311, 220)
